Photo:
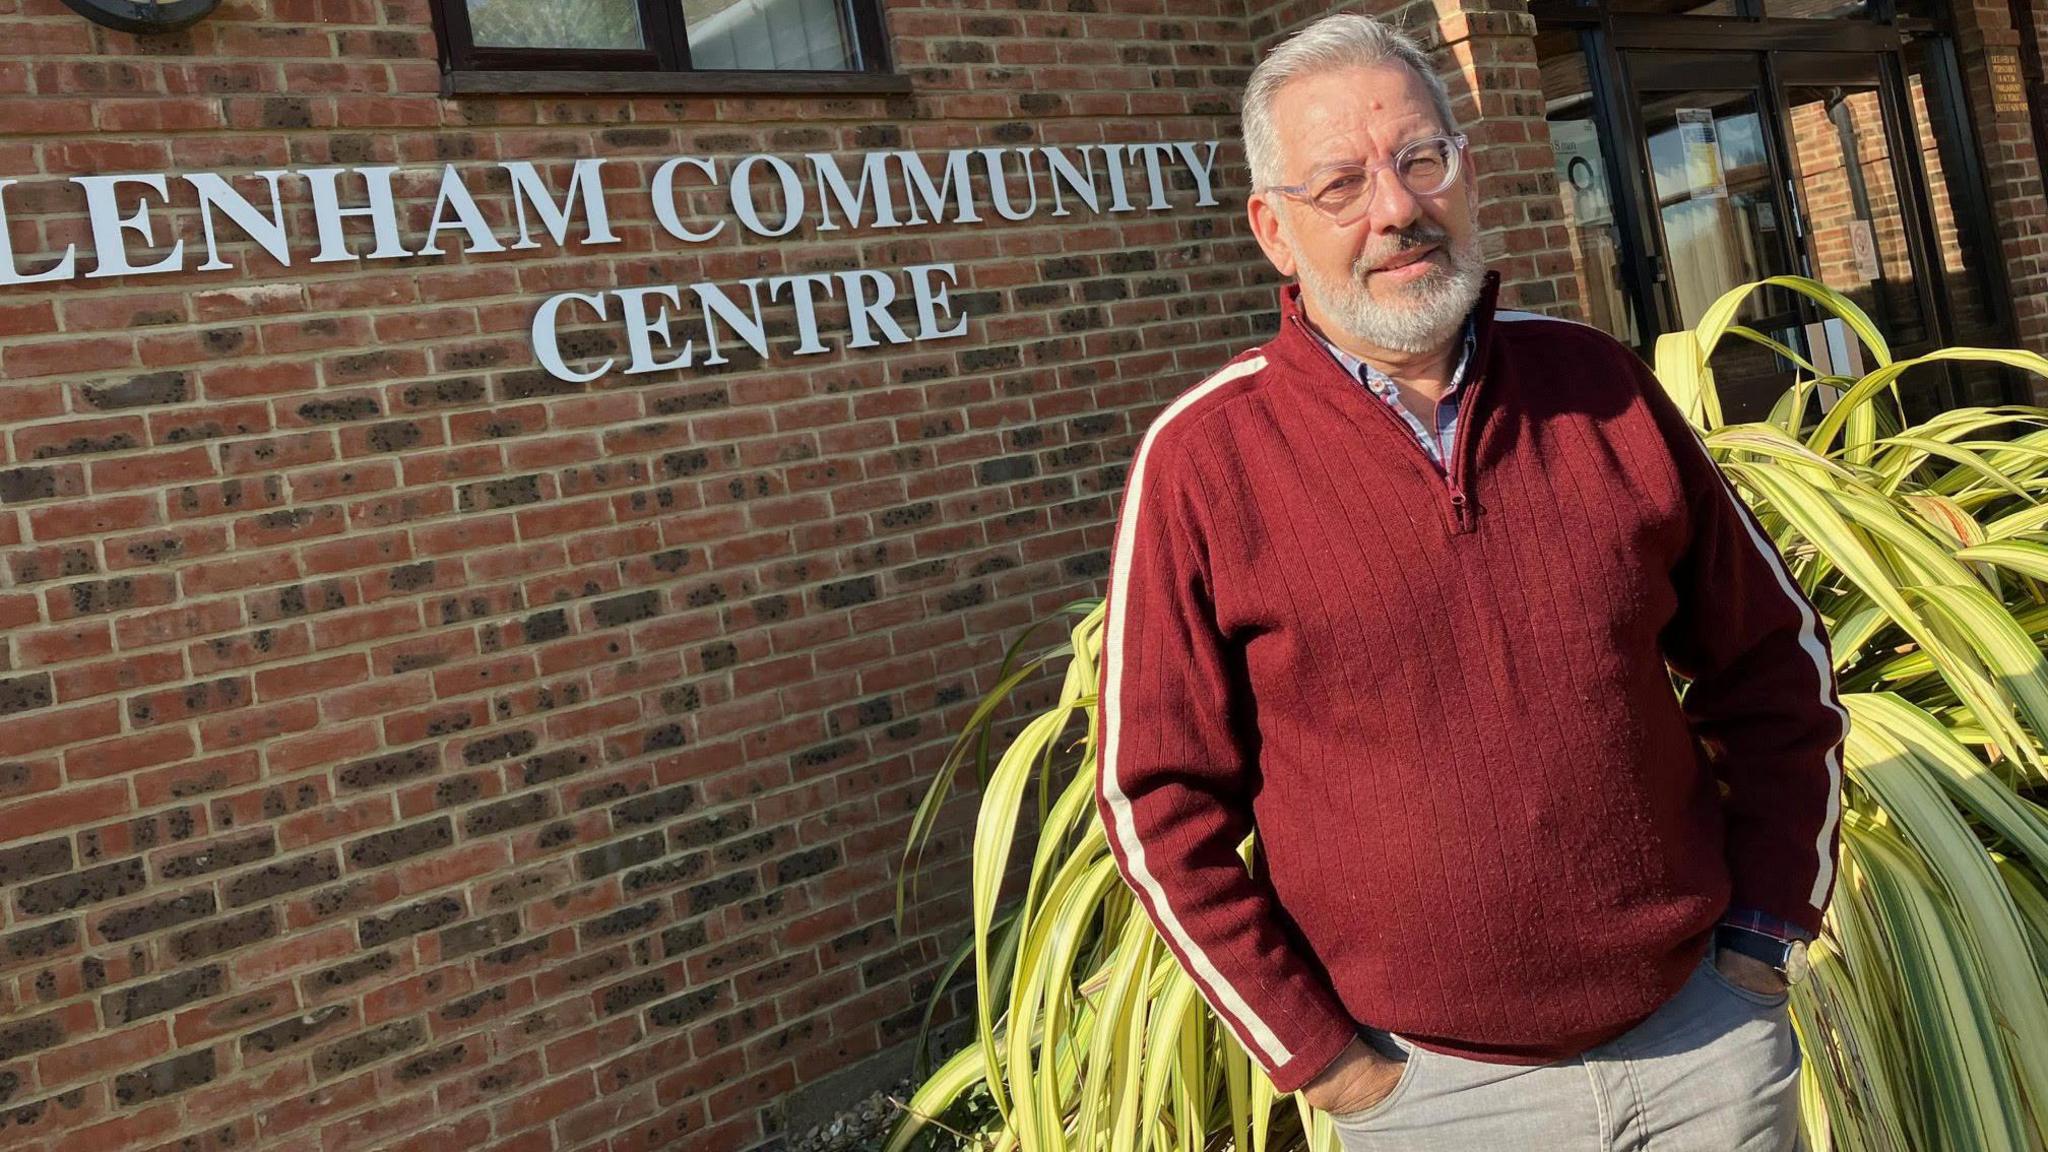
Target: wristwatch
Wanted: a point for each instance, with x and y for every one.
(1787, 957)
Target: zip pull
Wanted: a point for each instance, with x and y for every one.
(1459, 505)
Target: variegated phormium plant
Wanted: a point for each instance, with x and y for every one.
(1925, 1023)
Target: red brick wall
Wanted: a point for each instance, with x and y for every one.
(2012, 172)
(400, 748)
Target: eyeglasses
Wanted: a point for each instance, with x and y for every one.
(1344, 192)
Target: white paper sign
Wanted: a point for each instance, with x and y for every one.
(1696, 135)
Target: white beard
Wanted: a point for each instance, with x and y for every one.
(1431, 309)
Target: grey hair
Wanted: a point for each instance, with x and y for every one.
(1346, 40)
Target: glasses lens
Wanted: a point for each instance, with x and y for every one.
(1426, 166)
(1340, 190)
(1345, 191)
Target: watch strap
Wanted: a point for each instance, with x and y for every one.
(1758, 945)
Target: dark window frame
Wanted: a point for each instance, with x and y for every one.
(664, 66)
(1605, 35)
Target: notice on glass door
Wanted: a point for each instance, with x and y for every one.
(1863, 245)
(1702, 150)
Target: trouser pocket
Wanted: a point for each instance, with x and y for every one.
(1411, 1061)
(1760, 999)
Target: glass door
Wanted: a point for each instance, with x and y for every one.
(1699, 148)
(1718, 209)
(1851, 147)
(1964, 268)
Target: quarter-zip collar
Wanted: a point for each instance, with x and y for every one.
(1388, 389)
(1302, 357)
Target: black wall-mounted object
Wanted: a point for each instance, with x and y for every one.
(143, 18)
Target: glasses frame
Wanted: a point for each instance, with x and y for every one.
(1457, 141)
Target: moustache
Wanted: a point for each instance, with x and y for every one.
(1412, 237)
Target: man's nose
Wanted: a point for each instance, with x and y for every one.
(1393, 206)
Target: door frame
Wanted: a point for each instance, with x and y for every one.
(1604, 36)
(1691, 69)
(1885, 74)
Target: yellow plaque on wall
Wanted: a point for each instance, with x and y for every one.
(2008, 90)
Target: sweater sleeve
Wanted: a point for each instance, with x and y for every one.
(1762, 696)
(1173, 790)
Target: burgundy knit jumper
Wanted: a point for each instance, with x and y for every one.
(1485, 820)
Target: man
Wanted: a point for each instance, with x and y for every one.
(1399, 590)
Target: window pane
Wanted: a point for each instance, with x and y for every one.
(1715, 202)
(555, 24)
(1960, 245)
(1959, 259)
(1584, 188)
(778, 35)
(1857, 224)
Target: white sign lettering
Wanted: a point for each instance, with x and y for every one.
(770, 196)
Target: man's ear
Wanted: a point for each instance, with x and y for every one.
(1265, 218)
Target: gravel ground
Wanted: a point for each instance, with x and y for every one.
(860, 1128)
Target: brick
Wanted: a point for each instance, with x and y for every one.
(156, 915)
(690, 1006)
(470, 862)
(121, 674)
(223, 935)
(367, 1048)
(505, 815)
(77, 889)
(155, 469)
(618, 855)
(258, 845)
(95, 1056)
(353, 971)
(624, 922)
(667, 874)
(314, 677)
(29, 861)
(411, 920)
(439, 1062)
(221, 1138)
(289, 1034)
(655, 807)
(486, 1005)
(478, 935)
(19, 1036)
(173, 991)
(23, 693)
(281, 878)
(846, 593)
(398, 844)
(211, 1021)
(722, 891)
(128, 754)
(140, 833)
(47, 482)
(170, 705)
(168, 1078)
(274, 958)
(380, 771)
(90, 517)
(45, 942)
